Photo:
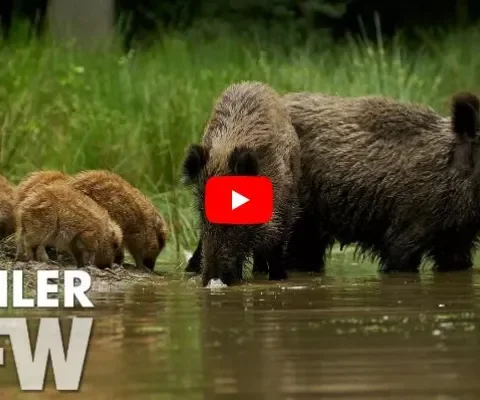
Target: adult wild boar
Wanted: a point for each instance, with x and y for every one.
(396, 179)
(249, 134)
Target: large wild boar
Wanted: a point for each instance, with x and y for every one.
(396, 179)
(249, 134)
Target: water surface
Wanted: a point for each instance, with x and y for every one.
(350, 333)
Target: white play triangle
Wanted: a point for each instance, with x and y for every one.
(238, 200)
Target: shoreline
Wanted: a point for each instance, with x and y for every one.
(117, 277)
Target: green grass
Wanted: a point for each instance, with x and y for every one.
(135, 114)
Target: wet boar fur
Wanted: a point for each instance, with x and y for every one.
(249, 133)
(388, 177)
(7, 219)
(144, 229)
(60, 216)
(25, 187)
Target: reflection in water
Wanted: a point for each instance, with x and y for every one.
(348, 333)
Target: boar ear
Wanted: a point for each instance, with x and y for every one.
(244, 161)
(465, 114)
(195, 160)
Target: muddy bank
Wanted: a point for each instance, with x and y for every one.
(116, 277)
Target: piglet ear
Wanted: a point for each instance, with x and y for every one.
(244, 161)
(195, 159)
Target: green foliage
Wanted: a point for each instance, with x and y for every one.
(135, 113)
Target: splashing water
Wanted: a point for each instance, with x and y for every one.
(216, 284)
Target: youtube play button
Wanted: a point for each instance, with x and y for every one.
(239, 200)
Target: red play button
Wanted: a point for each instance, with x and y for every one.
(239, 200)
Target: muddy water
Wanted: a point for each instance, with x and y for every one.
(349, 333)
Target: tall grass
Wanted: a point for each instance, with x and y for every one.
(135, 113)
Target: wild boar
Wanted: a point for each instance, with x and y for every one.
(249, 134)
(386, 176)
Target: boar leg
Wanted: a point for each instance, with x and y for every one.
(195, 263)
(453, 252)
(26, 250)
(30, 252)
(308, 246)
(260, 265)
(457, 260)
(401, 261)
(77, 252)
(138, 260)
(276, 262)
(20, 254)
(400, 257)
(402, 248)
(41, 254)
(119, 256)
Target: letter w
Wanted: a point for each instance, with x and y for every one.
(32, 370)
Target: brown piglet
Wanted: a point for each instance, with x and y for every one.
(33, 180)
(144, 229)
(58, 215)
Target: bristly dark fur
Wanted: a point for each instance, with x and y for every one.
(249, 133)
(465, 123)
(378, 174)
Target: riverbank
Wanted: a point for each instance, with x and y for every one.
(117, 277)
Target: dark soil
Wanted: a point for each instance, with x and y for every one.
(119, 275)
